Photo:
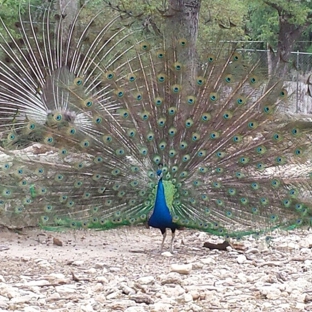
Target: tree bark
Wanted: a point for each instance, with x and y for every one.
(288, 35)
(183, 23)
(69, 10)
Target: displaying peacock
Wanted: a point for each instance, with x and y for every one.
(137, 133)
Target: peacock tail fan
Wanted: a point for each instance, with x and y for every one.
(112, 104)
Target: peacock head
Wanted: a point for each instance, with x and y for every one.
(69, 116)
(159, 171)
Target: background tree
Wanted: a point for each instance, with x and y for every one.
(282, 24)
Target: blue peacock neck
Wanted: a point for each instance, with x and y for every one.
(161, 217)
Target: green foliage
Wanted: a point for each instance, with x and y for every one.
(223, 19)
(9, 12)
(297, 12)
(236, 20)
(229, 20)
(264, 15)
(257, 29)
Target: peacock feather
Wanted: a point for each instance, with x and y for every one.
(135, 136)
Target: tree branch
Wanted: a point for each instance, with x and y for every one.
(274, 6)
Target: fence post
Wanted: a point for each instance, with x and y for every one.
(297, 91)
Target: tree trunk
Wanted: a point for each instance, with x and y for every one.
(67, 9)
(288, 35)
(183, 23)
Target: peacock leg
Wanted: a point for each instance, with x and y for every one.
(164, 233)
(172, 240)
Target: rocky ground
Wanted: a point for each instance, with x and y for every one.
(123, 270)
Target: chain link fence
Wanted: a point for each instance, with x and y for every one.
(296, 80)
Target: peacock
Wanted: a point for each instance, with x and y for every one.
(105, 125)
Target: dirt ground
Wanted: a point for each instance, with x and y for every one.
(80, 245)
(124, 270)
